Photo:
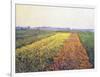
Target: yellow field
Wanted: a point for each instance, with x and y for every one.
(38, 55)
(51, 42)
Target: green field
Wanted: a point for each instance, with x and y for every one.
(87, 38)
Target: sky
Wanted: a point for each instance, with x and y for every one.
(35, 16)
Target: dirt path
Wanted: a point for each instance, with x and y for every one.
(72, 56)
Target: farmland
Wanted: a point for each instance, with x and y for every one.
(42, 50)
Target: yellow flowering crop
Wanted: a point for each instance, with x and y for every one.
(38, 55)
(51, 42)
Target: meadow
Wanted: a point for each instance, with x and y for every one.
(43, 50)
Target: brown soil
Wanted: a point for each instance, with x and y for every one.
(72, 56)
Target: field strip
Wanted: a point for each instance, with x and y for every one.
(43, 43)
(72, 56)
(23, 41)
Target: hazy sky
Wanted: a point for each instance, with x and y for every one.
(28, 15)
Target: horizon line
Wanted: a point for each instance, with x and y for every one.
(52, 27)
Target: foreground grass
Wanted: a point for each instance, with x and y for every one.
(36, 56)
(87, 38)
